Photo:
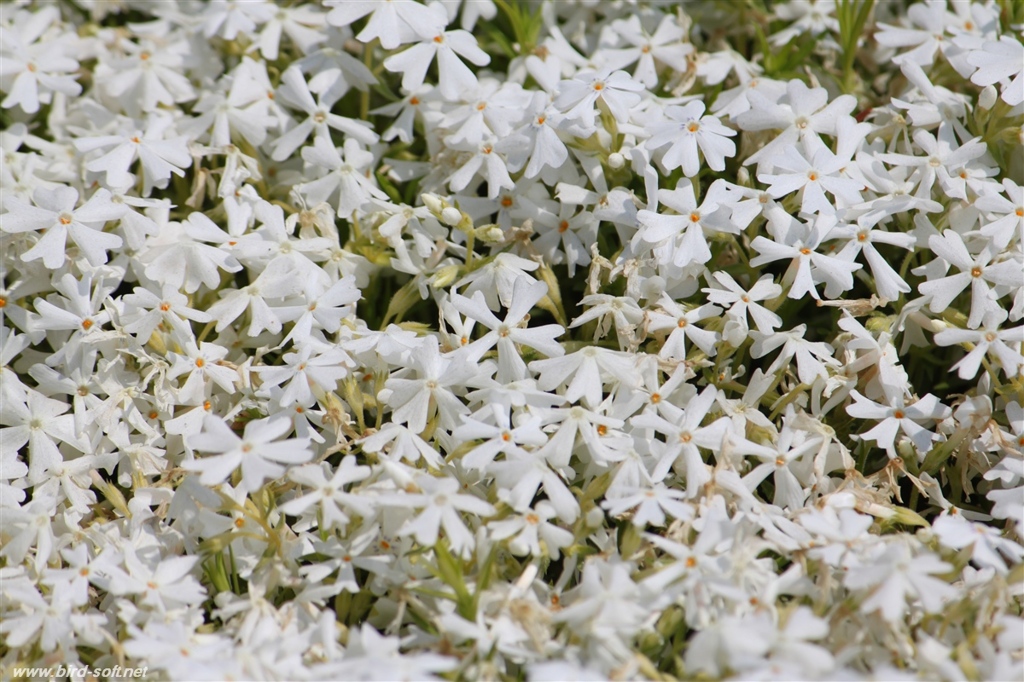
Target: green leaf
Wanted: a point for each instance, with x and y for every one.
(449, 570)
(406, 298)
(940, 453)
(388, 187)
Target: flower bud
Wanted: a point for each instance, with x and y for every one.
(878, 323)
(906, 450)
(156, 342)
(434, 203)
(743, 176)
(113, 495)
(451, 216)
(489, 234)
(987, 98)
(616, 160)
(445, 276)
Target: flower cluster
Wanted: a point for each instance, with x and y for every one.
(532, 340)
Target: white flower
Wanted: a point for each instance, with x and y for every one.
(898, 416)
(665, 45)
(278, 280)
(650, 505)
(259, 452)
(55, 217)
(506, 333)
(345, 176)
(569, 233)
(589, 369)
(877, 354)
(227, 19)
(499, 438)
(804, 116)
(33, 68)
(393, 23)
(681, 322)
(779, 461)
(159, 155)
(161, 582)
(527, 529)
(330, 495)
(496, 279)
(202, 363)
(895, 574)
(812, 357)
(1004, 345)
(606, 603)
(943, 157)
(146, 311)
(800, 242)
(692, 130)
(404, 445)
(147, 76)
(178, 258)
(999, 62)
(301, 24)
(684, 435)
(808, 16)
(487, 162)
(440, 504)
(309, 372)
(521, 475)
(373, 656)
(446, 46)
(417, 400)
(862, 239)
(622, 310)
(42, 621)
(931, 17)
(976, 271)
(989, 548)
(725, 291)
(812, 179)
(683, 235)
(175, 648)
(38, 422)
(615, 89)
(536, 144)
(320, 120)
(1007, 215)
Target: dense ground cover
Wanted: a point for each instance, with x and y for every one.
(497, 340)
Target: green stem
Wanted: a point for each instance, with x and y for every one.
(364, 97)
(470, 239)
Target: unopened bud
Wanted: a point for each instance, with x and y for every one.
(987, 98)
(908, 517)
(616, 160)
(906, 450)
(489, 234)
(433, 202)
(451, 216)
(743, 176)
(445, 276)
(156, 342)
(113, 495)
(879, 323)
